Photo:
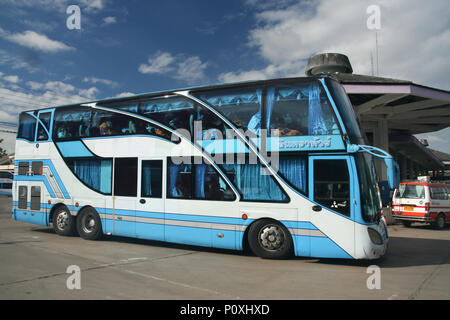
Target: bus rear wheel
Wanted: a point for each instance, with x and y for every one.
(63, 221)
(89, 225)
(269, 239)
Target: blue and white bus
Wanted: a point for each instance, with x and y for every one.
(276, 166)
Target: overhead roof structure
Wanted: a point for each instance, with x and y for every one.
(407, 107)
(390, 111)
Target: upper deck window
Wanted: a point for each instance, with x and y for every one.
(27, 127)
(283, 110)
(72, 123)
(82, 122)
(241, 106)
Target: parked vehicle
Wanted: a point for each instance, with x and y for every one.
(422, 201)
(6, 182)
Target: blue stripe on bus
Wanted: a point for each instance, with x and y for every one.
(39, 218)
(37, 179)
(72, 149)
(195, 235)
(49, 163)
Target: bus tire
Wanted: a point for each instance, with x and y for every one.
(89, 225)
(269, 239)
(439, 224)
(63, 222)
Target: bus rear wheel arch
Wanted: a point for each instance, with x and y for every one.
(269, 239)
(63, 222)
(89, 225)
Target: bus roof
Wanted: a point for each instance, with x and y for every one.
(196, 88)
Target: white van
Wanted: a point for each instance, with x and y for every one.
(422, 202)
(6, 182)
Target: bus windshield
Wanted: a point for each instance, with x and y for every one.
(345, 108)
(370, 196)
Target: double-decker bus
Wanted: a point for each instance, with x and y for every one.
(276, 166)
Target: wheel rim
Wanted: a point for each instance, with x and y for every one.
(271, 238)
(88, 223)
(441, 222)
(62, 220)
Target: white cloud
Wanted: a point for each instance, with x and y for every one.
(109, 20)
(39, 95)
(414, 39)
(158, 63)
(191, 70)
(36, 41)
(93, 5)
(188, 69)
(12, 79)
(95, 80)
(126, 94)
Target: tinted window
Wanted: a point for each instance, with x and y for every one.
(411, 191)
(5, 174)
(173, 112)
(241, 106)
(299, 110)
(196, 180)
(72, 123)
(332, 185)
(44, 126)
(27, 127)
(368, 188)
(125, 177)
(111, 124)
(23, 197)
(94, 173)
(253, 181)
(151, 179)
(293, 169)
(438, 193)
(345, 110)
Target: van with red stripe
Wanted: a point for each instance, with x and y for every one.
(422, 201)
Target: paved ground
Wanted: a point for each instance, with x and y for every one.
(34, 260)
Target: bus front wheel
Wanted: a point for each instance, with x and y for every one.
(89, 225)
(269, 239)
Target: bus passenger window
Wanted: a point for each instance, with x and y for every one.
(332, 185)
(71, 122)
(209, 185)
(179, 183)
(151, 179)
(27, 127)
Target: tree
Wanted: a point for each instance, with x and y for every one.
(3, 152)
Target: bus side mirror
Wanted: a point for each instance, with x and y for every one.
(393, 173)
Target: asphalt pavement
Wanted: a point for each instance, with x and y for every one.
(36, 263)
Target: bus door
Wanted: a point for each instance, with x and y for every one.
(124, 196)
(332, 187)
(150, 200)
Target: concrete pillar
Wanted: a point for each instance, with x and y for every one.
(381, 140)
(403, 167)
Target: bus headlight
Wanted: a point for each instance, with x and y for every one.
(374, 236)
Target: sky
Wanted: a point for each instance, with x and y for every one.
(129, 47)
